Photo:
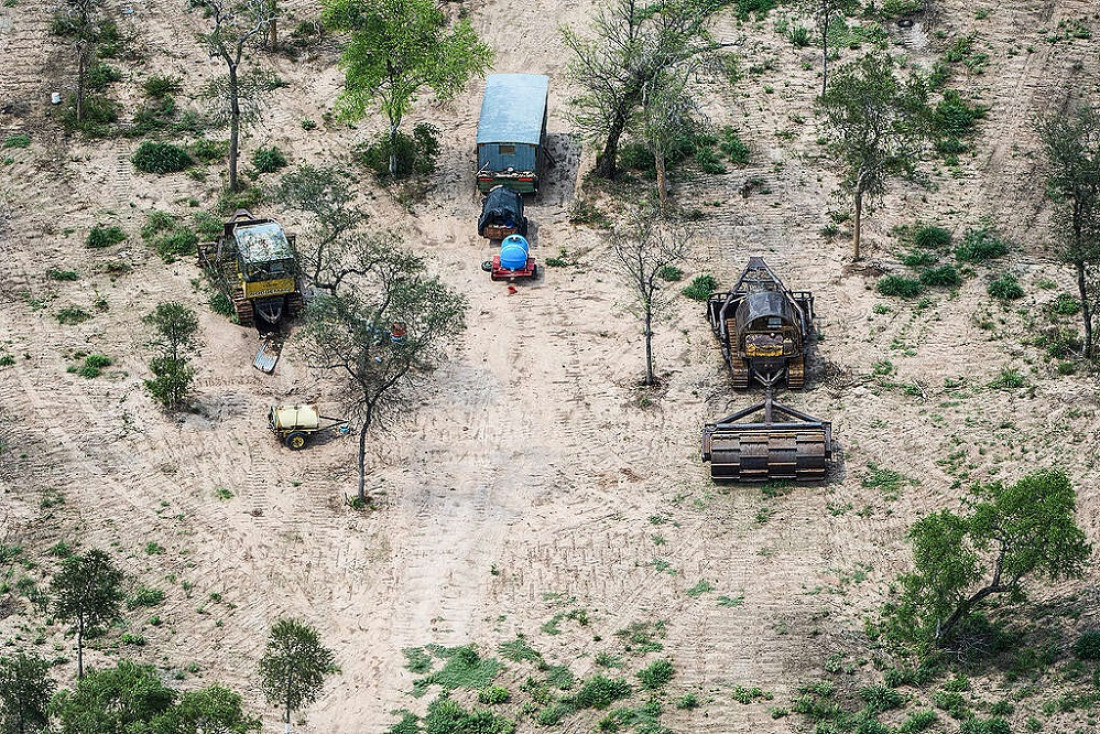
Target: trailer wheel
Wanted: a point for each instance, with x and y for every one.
(297, 440)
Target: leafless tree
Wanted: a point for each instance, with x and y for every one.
(666, 113)
(81, 21)
(644, 254)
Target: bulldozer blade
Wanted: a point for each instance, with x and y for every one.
(756, 452)
(267, 356)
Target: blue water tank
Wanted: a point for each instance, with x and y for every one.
(513, 252)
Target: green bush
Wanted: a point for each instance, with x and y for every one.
(160, 158)
(157, 223)
(995, 725)
(708, 161)
(656, 674)
(207, 226)
(979, 245)
(1087, 646)
(493, 695)
(155, 115)
(918, 721)
(671, 273)
(158, 87)
(100, 113)
(208, 151)
(178, 242)
(599, 692)
(799, 36)
(1006, 288)
(881, 698)
(72, 315)
(19, 140)
(701, 287)
(268, 160)
(732, 145)
(93, 366)
(101, 236)
(917, 259)
(1009, 379)
(945, 275)
(100, 76)
(897, 285)
(932, 238)
(1065, 305)
(954, 118)
(897, 8)
(55, 274)
(415, 154)
(636, 157)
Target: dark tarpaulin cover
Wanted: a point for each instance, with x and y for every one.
(502, 207)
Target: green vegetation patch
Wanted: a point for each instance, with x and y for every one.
(463, 669)
(160, 158)
(701, 287)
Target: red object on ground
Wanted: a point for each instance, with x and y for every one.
(512, 290)
(530, 270)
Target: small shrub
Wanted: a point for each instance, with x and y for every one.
(670, 273)
(178, 242)
(72, 315)
(157, 223)
(160, 158)
(1006, 288)
(636, 157)
(1009, 379)
(19, 140)
(129, 638)
(701, 287)
(7, 360)
(583, 211)
(656, 675)
(945, 275)
(799, 36)
(145, 597)
(308, 124)
(897, 8)
(207, 226)
(918, 721)
(599, 692)
(1087, 646)
(918, 259)
(881, 698)
(55, 274)
(980, 245)
(687, 701)
(99, 114)
(708, 161)
(158, 87)
(976, 725)
(414, 154)
(100, 76)
(101, 236)
(208, 151)
(93, 366)
(897, 285)
(731, 144)
(268, 160)
(222, 305)
(1065, 305)
(493, 695)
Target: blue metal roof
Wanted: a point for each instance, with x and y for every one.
(513, 108)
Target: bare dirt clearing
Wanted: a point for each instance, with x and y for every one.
(529, 473)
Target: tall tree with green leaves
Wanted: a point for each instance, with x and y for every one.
(294, 667)
(1012, 534)
(666, 115)
(25, 690)
(175, 336)
(1071, 144)
(397, 49)
(237, 25)
(87, 592)
(633, 42)
(324, 193)
(349, 334)
(212, 710)
(877, 127)
(83, 23)
(126, 698)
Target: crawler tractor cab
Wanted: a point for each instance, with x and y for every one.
(763, 329)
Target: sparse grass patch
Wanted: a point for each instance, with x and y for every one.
(887, 481)
(145, 597)
(1009, 379)
(63, 275)
(72, 315)
(930, 237)
(268, 160)
(158, 87)
(463, 669)
(493, 695)
(93, 366)
(670, 273)
(943, 276)
(18, 140)
(1087, 646)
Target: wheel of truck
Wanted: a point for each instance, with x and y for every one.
(297, 440)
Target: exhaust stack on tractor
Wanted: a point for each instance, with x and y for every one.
(763, 328)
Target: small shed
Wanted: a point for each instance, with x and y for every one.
(511, 132)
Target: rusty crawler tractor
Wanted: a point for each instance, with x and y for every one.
(254, 265)
(763, 328)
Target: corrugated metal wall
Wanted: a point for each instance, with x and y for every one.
(522, 159)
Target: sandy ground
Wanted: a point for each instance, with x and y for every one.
(527, 471)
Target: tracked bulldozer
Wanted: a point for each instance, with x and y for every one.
(253, 263)
(763, 328)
